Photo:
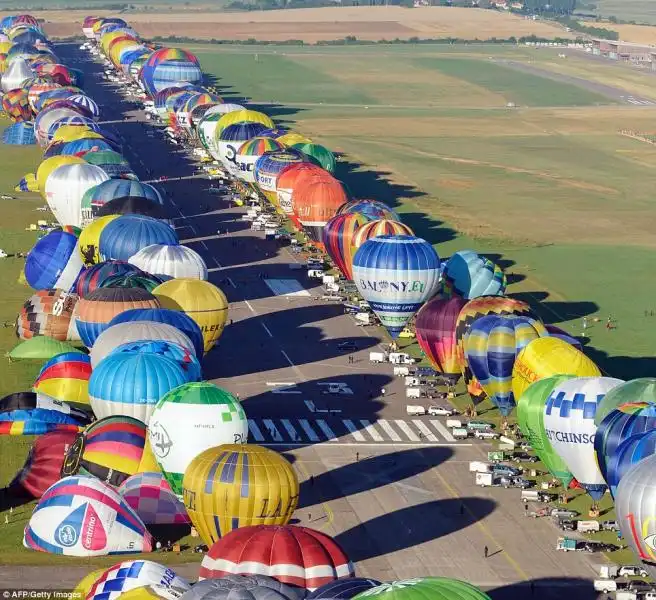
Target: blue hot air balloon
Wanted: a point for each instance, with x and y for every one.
(123, 237)
(178, 319)
(470, 276)
(491, 347)
(630, 451)
(131, 384)
(343, 588)
(396, 274)
(54, 262)
(183, 356)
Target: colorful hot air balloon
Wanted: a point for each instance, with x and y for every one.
(248, 154)
(629, 452)
(492, 347)
(316, 202)
(289, 180)
(634, 502)
(205, 303)
(315, 558)
(16, 105)
(236, 485)
(122, 238)
(84, 586)
(142, 280)
(319, 154)
(269, 166)
(190, 419)
(374, 210)
(81, 516)
(436, 588)
(53, 262)
(48, 166)
(110, 449)
(549, 356)
(112, 189)
(175, 261)
(338, 240)
(435, 327)
(44, 462)
(638, 392)
(132, 384)
(89, 241)
(530, 418)
(470, 276)
(97, 309)
(152, 498)
(396, 274)
(343, 588)
(232, 138)
(48, 312)
(65, 377)
(570, 427)
(244, 587)
(377, 227)
(92, 278)
(134, 205)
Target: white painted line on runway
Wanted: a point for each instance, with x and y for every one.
(354, 431)
(232, 283)
(249, 305)
(327, 431)
(308, 430)
(403, 426)
(427, 433)
(266, 329)
(214, 269)
(255, 430)
(202, 242)
(387, 428)
(289, 360)
(218, 264)
(273, 430)
(287, 424)
(371, 430)
(443, 430)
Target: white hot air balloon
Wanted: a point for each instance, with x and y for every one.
(172, 260)
(16, 75)
(65, 187)
(569, 422)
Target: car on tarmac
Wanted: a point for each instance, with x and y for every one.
(442, 411)
(524, 457)
(505, 470)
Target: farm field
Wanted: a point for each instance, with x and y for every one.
(638, 34)
(641, 11)
(551, 191)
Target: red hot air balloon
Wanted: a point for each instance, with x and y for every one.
(291, 554)
(435, 326)
(337, 238)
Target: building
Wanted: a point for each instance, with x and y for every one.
(625, 52)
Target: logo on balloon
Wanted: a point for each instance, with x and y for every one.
(160, 440)
(231, 154)
(384, 588)
(384, 286)
(570, 438)
(67, 535)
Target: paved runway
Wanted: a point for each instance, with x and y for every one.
(394, 490)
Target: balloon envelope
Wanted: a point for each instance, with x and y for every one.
(175, 261)
(152, 498)
(343, 588)
(630, 451)
(470, 276)
(435, 588)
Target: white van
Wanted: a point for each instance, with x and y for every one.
(460, 433)
(454, 423)
(410, 380)
(478, 466)
(377, 357)
(485, 435)
(586, 526)
(415, 410)
(401, 358)
(315, 274)
(605, 585)
(412, 392)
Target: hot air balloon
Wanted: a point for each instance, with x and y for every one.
(561, 334)
(84, 586)
(375, 228)
(343, 588)
(269, 166)
(637, 392)
(16, 106)
(92, 278)
(152, 498)
(470, 276)
(135, 205)
(110, 449)
(49, 165)
(97, 309)
(248, 154)
(570, 427)
(396, 274)
(374, 210)
(634, 506)
(53, 262)
(131, 384)
(65, 187)
(175, 261)
(65, 377)
(243, 587)
(44, 463)
(492, 347)
(22, 134)
(113, 163)
(97, 197)
(549, 356)
(289, 179)
(135, 331)
(122, 238)
(289, 138)
(232, 138)
(436, 588)
(236, 485)
(86, 102)
(316, 202)
(315, 558)
(29, 413)
(40, 347)
(338, 240)
(244, 116)
(629, 452)
(82, 516)
(190, 419)
(48, 312)
(90, 240)
(530, 418)
(205, 303)
(133, 574)
(138, 279)
(435, 327)
(319, 154)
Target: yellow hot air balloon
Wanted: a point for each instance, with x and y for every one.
(236, 485)
(21, 277)
(201, 300)
(141, 593)
(68, 133)
(49, 165)
(148, 463)
(83, 588)
(546, 357)
(90, 239)
(237, 116)
(291, 137)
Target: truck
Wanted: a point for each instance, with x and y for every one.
(377, 357)
(567, 544)
(460, 433)
(486, 479)
(415, 410)
(608, 571)
(587, 526)
(401, 358)
(400, 371)
(413, 392)
(478, 466)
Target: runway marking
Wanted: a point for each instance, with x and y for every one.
(214, 269)
(443, 430)
(354, 432)
(327, 431)
(427, 433)
(249, 305)
(275, 434)
(289, 427)
(289, 360)
(255, 430)
(403, 426)
(388, 430)
(232, 283)
(371, 430)
(308, 430)
(266, 329)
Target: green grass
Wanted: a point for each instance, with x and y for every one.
(523, 89)
(641, 11)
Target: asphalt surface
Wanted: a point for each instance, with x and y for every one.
(394, 490)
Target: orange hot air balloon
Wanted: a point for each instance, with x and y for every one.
(316, 201)
(289, 179)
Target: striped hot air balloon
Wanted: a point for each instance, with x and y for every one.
(65, 377)
(338, 237)
(250, 152)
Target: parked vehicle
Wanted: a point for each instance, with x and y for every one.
(459, 433)
(506, 470)
(479, 425)
(562, 513)
(608, 571)
(398, 371)
(605, 586)
(610, 526)
(485, 435)
(425, 372)
(415, 410)
(411, 380)
(315, 274)
(486, 479)
(631, 571)
(454, 424)
(441, 411)
(407, 333)
(587, 526)
(523, 457)
(377, 357)
(364, 318)
(401, 358)
(600, 547)
(567, 524)
(478, 466)
(413, 392)
(567, 544)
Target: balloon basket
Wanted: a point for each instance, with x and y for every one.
(593, 513)
(563, 499)
(194, 532)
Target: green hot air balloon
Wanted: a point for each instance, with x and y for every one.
(319, 154)
(424, 588)
(530, 418)
(634, 392)
(40, 347)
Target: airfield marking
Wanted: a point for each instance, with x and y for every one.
(266, 329)
(403, 426)
(327, 431)
(443, 430)
(388, 430)
(427, 433)
(354, 430)
(371, 430)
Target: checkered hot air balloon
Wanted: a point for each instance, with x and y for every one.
(152, 498)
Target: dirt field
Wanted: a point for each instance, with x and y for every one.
(638, 34)
(311, 25)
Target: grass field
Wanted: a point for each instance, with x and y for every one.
(641, 11)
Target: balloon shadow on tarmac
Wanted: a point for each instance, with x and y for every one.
(548, 588)
(370, 473)
(412, 526)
